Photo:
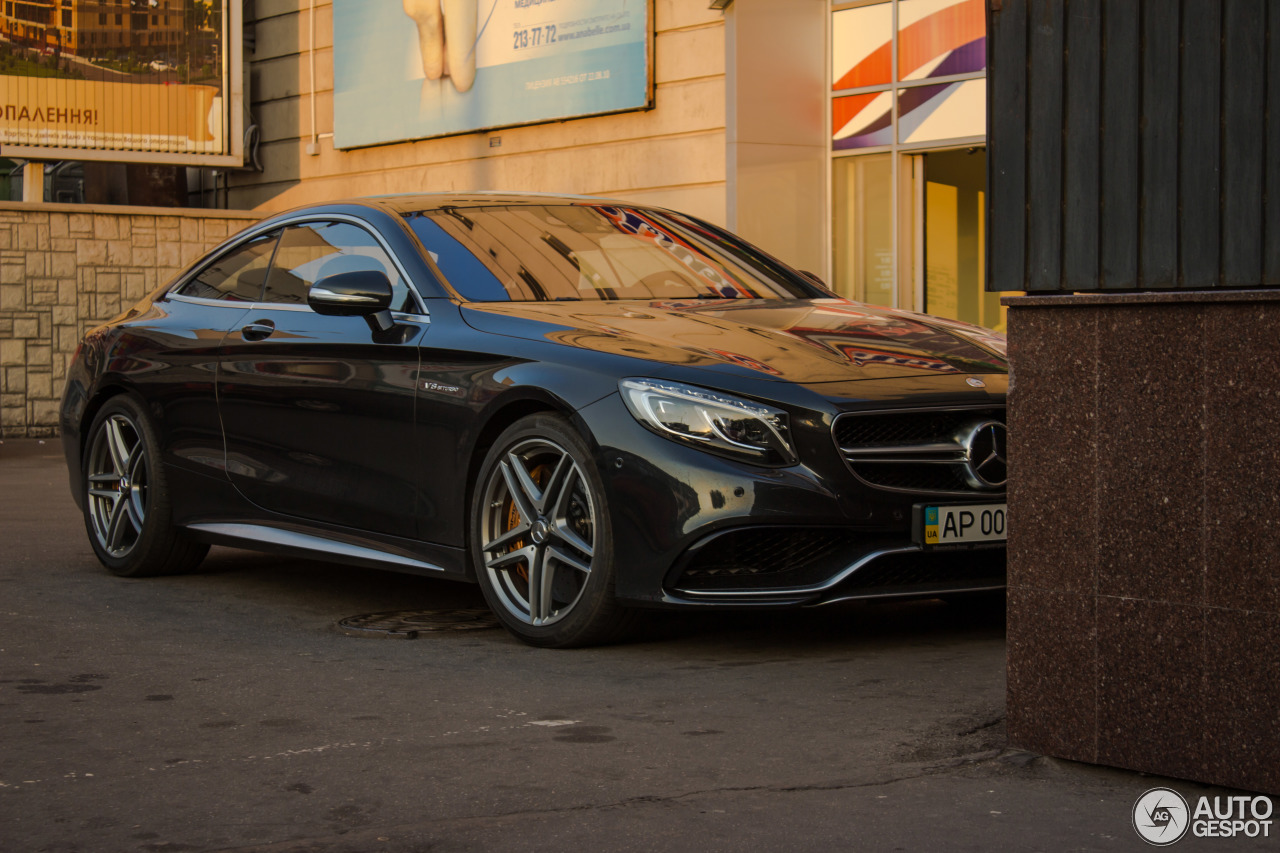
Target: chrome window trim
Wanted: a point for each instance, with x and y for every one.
(302, 219)
(279, 306)
(209, 303)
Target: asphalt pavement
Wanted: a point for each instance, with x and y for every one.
(226, 711)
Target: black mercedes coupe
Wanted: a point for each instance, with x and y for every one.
(586, 406)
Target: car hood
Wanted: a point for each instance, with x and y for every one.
(803, 341)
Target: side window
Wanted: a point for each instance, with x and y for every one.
(237, 276)
(315, 250)
(471, 277)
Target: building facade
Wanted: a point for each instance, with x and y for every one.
(848, 138)
(98, 27)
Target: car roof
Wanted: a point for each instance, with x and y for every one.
(408, 202)
(403, 203)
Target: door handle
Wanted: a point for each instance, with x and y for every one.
(258, 330)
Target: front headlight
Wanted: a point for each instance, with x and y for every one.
(710, 420)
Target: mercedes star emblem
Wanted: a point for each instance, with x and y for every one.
(986, 451)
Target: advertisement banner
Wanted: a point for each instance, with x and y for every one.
(125, 116)
(147, 81)
(421, 68)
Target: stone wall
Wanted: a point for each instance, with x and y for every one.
(66, 268)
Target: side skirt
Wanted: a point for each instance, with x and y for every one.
(328, 546)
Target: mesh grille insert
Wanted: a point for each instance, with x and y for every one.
(779, 558)
(890, 431)
(769, 557)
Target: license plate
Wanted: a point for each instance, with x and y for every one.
(961, 524)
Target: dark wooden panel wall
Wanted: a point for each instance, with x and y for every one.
(1133, 144)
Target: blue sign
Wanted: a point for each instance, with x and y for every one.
(421, 68)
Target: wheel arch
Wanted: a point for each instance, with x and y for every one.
(103, 395)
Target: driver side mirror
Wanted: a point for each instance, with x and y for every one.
(363, 293)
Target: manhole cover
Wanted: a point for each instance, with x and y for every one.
(408, 624)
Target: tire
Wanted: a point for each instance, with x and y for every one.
(541, 538)
(126, 498)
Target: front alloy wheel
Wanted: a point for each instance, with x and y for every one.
(542, 541)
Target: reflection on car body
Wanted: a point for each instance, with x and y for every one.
(586, 406)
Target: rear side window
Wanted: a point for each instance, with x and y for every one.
(237, 276)
(315, 250)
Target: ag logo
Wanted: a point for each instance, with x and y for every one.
(1161, 816)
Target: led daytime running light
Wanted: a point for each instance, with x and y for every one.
(713, 421)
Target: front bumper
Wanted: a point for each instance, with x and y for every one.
(807, 566)
(694, 529)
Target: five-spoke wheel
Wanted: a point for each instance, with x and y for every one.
(126, 503)
(541, 537)
(117, 491)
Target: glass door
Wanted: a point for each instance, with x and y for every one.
(908, 121)
(954, 238)
(864, 232)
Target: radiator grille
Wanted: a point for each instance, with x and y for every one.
(917, 451)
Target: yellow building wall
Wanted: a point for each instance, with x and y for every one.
(672, 155)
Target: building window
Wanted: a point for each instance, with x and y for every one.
(908, 147)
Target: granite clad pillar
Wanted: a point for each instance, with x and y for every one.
(1144, 546)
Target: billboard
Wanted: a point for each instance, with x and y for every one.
(420, 68)
(156, 81)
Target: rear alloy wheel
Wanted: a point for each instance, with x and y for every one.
(541, 538)
(126, 502)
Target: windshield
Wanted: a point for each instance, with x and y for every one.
(532, 253)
